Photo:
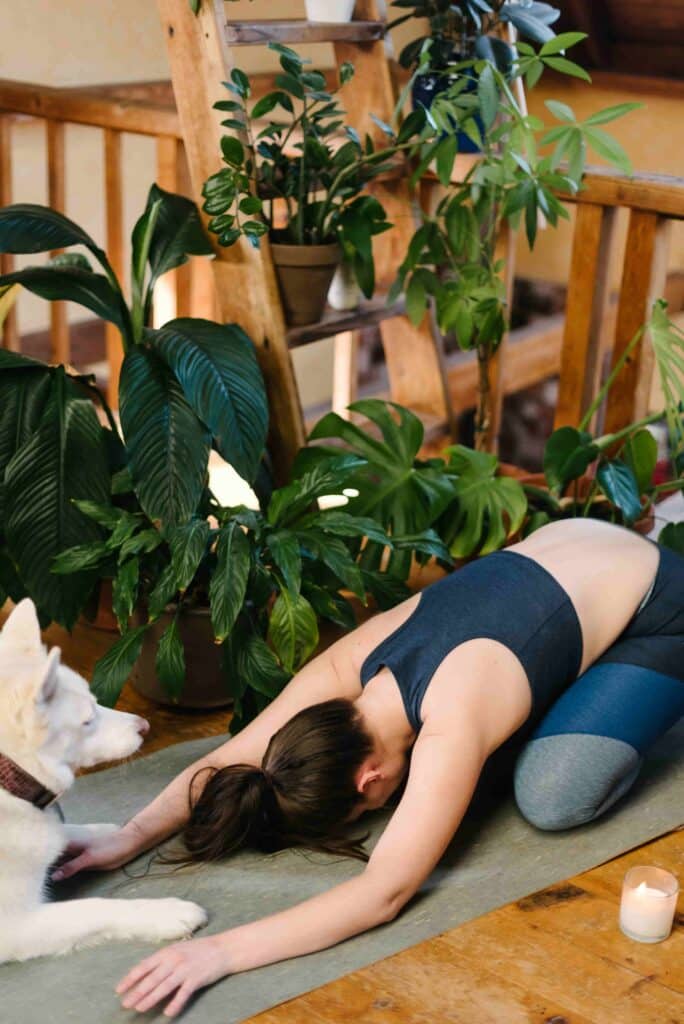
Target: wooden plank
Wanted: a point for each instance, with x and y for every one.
(498, 363)
(345, 371)
(658, 193)
(334, 321)
(10, 328)
(651, 58)
(414, 356)
(172, 292)
(586, 17)
(246, 286)
(59, 328)
(586, 303)
(241, 33)
(77, 106)
(115, 250)
(643, 280)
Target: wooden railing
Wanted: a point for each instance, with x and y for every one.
(117, 110)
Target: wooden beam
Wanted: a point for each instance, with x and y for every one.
(586, 308)
(586, 16)
(643, 280)
(78, 107)
(113, 183)
(658, 193)
(334, 322)
(245, 33)
(10, 327)
(245, 279)
(59, 328)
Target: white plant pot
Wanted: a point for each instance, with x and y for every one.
(344, 292)
(329, 10)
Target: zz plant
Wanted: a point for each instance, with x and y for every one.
(291, 163)
(184, 387)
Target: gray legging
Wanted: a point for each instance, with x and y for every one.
(588, 749)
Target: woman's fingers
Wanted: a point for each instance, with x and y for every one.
(180, 999)
(70, 867)
(139, 971)
(161, 988)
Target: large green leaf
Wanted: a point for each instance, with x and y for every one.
(113, 669)
(170, 660)
(29, 228)
(168, 447)
(178, 232)
(619, 484)
(293, 630)
(188, 545)
(23, 394)
(284, 547)
(489, 508)
(672, 536)
(568, 453)
(229, 580)
(65, 458)
(220, 376)
(75, 285)
(641, 454)
(329, 475)
(259, 669)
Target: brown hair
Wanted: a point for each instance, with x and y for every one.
(300, 796)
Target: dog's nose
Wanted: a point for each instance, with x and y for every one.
(143, 726)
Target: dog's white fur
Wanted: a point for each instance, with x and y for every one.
(51, 725)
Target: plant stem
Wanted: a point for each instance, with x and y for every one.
(609, 439)
(609, 380)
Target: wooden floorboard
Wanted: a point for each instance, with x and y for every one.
(554, 957)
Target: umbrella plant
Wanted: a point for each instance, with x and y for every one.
(184, 387)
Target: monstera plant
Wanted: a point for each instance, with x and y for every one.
(184, 387)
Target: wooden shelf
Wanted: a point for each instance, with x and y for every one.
(254, 33)
(336, 322)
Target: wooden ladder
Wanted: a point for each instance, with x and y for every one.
(200, 53)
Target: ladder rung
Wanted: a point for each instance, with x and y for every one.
(335, 322)
(251, 33)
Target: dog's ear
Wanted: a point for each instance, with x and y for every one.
(46, 682)
(21, 632)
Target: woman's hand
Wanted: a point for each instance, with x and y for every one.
(182, 968)
(99, 853)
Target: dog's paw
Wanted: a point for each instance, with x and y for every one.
(175, 919)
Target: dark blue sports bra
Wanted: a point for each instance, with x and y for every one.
(505, 596)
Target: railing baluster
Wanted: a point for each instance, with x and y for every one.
(10, 329)
(172, 293)
(115, 250)
(60, 346)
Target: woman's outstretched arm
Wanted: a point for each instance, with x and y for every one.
(445, 767)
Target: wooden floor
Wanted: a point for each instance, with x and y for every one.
(556, 957)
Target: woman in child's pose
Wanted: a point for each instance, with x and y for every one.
(565, 650)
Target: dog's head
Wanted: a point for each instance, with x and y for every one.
(47, 712)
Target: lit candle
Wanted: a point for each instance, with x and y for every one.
(649, 901)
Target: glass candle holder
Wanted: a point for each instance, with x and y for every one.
(649, 901)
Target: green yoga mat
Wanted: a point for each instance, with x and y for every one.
(494, 859)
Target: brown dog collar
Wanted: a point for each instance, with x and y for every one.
(19, 783)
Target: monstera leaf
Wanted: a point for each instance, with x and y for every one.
(167, 445)
(488, 508)
(65, 459)
(217, 369)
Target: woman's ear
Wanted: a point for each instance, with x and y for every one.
(367, 774)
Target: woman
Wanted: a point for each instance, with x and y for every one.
(426, 693)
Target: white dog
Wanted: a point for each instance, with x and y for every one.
(50, 725)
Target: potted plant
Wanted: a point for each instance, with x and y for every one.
(451, 261)
(289, 181)
(184, 387)
(259, 580)
(460, 33)
(329, 10)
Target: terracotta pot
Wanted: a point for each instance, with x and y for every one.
(329, 10)
(205, 683)
(304, 275)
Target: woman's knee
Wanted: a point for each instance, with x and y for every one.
(567, 780)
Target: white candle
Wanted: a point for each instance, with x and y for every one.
(649, 901)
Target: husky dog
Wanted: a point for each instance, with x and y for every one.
(50, 725)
